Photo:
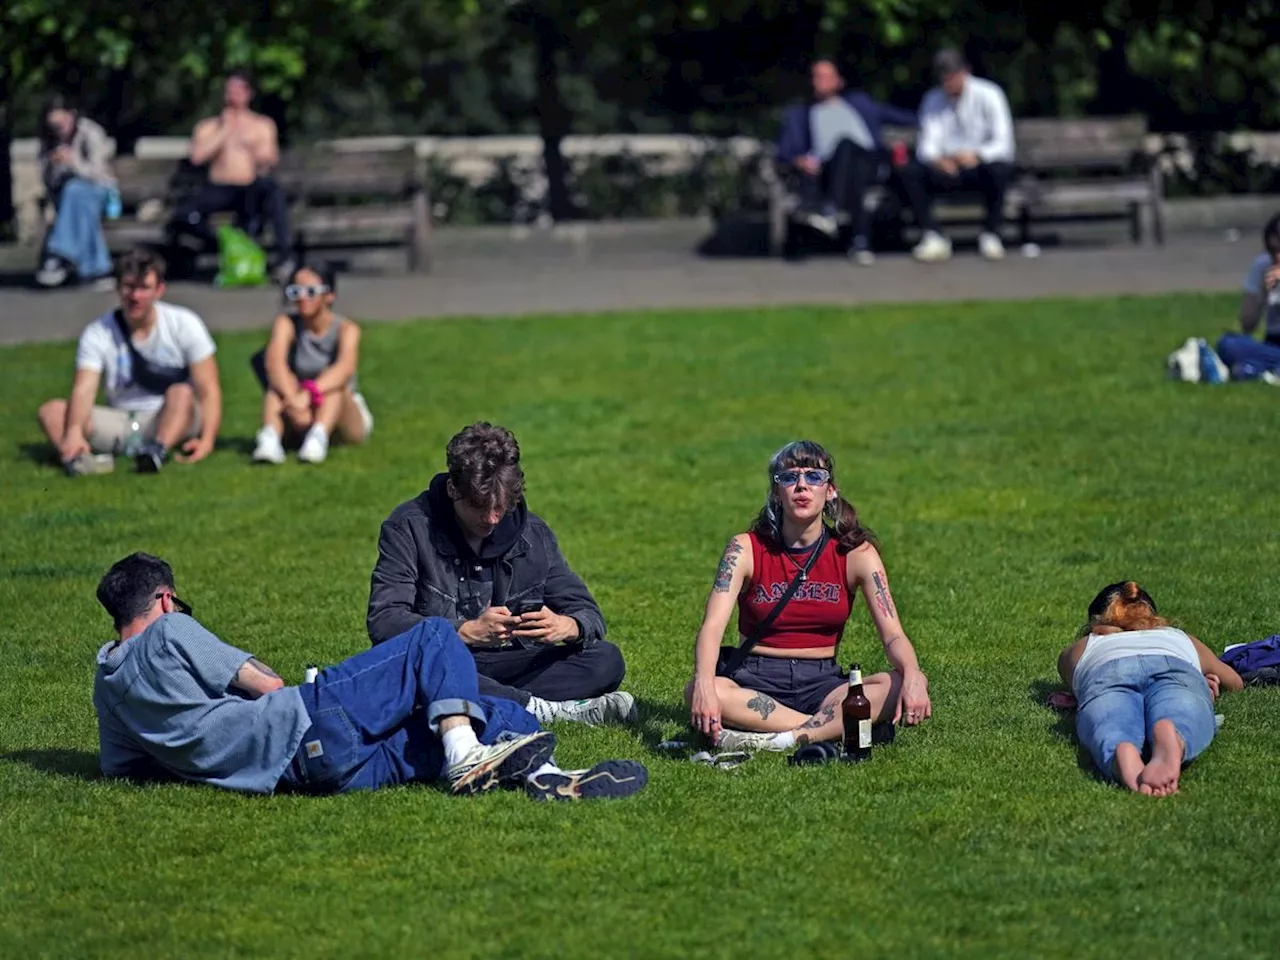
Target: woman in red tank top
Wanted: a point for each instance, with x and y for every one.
(789, 688)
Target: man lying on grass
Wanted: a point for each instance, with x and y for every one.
(1139, 682)
(175, 702)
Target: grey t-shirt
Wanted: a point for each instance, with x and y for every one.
(162, 698)
(833, 120)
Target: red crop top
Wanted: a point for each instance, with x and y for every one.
(817, 612)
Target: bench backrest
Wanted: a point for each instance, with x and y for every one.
(310, 172)
(1092, 143)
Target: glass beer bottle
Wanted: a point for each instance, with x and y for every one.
(857, 719)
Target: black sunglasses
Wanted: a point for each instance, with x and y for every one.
(182, 605)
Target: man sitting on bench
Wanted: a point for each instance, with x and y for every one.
(966, 144)
(240, 148)
(835, 142)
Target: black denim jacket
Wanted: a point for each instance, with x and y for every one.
(421, 574)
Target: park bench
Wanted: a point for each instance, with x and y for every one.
(338, 199)
(1088, 169)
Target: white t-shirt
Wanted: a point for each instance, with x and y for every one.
(179, 339)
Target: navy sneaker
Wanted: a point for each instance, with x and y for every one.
(150, 458)
(607, 780)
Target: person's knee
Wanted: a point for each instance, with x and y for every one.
(179, 396)
(52, 411)
(608, 667)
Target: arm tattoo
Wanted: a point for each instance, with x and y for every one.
(762, 705)
(883, 600)
(258, 665)
(820, 719)
(724, 575)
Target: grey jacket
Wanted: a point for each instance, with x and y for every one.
(90, 158)
(420, 573)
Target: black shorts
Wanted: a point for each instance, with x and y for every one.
(801, 685)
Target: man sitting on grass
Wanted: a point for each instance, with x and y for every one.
(155, 362)
(175, 702)
(468, 549)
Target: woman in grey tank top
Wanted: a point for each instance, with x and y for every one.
(308, 374)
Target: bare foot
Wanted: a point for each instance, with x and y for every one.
(1162, 771)
(1128, 766)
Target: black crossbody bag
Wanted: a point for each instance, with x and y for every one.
(150, 376)
(731, 658)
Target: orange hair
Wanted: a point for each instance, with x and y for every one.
(1127, 606)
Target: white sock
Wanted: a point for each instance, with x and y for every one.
(544, 710)
(458, 742)
(785, 740)
(547, 767)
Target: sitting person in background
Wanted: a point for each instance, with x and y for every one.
(75, 166)
(308, 374)
(786, 688)
(468, 549)
(835, 141)
(156, 363)
(176, 703)
(240, 148)
(966, 143)
(1142, 685)
(1245, 356)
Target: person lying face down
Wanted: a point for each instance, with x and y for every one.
(1144, 691)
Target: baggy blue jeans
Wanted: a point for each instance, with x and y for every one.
(77, 231)
(1246, 357)
(1121, 701)
(376, 715)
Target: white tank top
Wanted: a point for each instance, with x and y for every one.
(1163, 642)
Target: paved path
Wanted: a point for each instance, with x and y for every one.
(659, 269)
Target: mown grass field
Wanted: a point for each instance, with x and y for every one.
(1013, 458)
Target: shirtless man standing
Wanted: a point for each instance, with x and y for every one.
(240, 148)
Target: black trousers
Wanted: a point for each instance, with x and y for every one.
(843, 183)
(253, 204)
(557, 672)
(921, 183)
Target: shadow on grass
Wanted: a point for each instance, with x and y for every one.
(80, 764)
(1064, 721)
(40, 453)
(655, 721)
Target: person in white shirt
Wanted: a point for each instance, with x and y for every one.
(966, 144)
(155, 362)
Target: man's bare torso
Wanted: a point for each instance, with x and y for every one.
(239, 160)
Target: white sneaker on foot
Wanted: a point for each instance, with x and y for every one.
(745, 740)
(932, 248)
(269, 448)
(991, 246)
(618, 707)
(862, 256)
(315, 446)
(505, 762)
(52, 273)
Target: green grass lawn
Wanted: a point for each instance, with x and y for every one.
(1013, 459)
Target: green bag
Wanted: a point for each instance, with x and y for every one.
(241, 262)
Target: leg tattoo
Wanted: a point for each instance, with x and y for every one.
(762, 705)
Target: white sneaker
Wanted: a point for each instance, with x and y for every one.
(365, 415)
(751, 742)
(315, 446)
(616, 707)
(991, 246)
(862, 256)
(932, 248)
(52, 273)
(508, 761)
(269, 448)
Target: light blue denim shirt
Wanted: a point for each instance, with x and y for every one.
(162, 698)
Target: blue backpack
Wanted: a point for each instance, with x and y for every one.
(1258, 662)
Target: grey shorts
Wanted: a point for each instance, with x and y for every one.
(109, 427)
(799, 684)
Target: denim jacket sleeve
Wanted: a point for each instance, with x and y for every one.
(393, 591)
(566, 594)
